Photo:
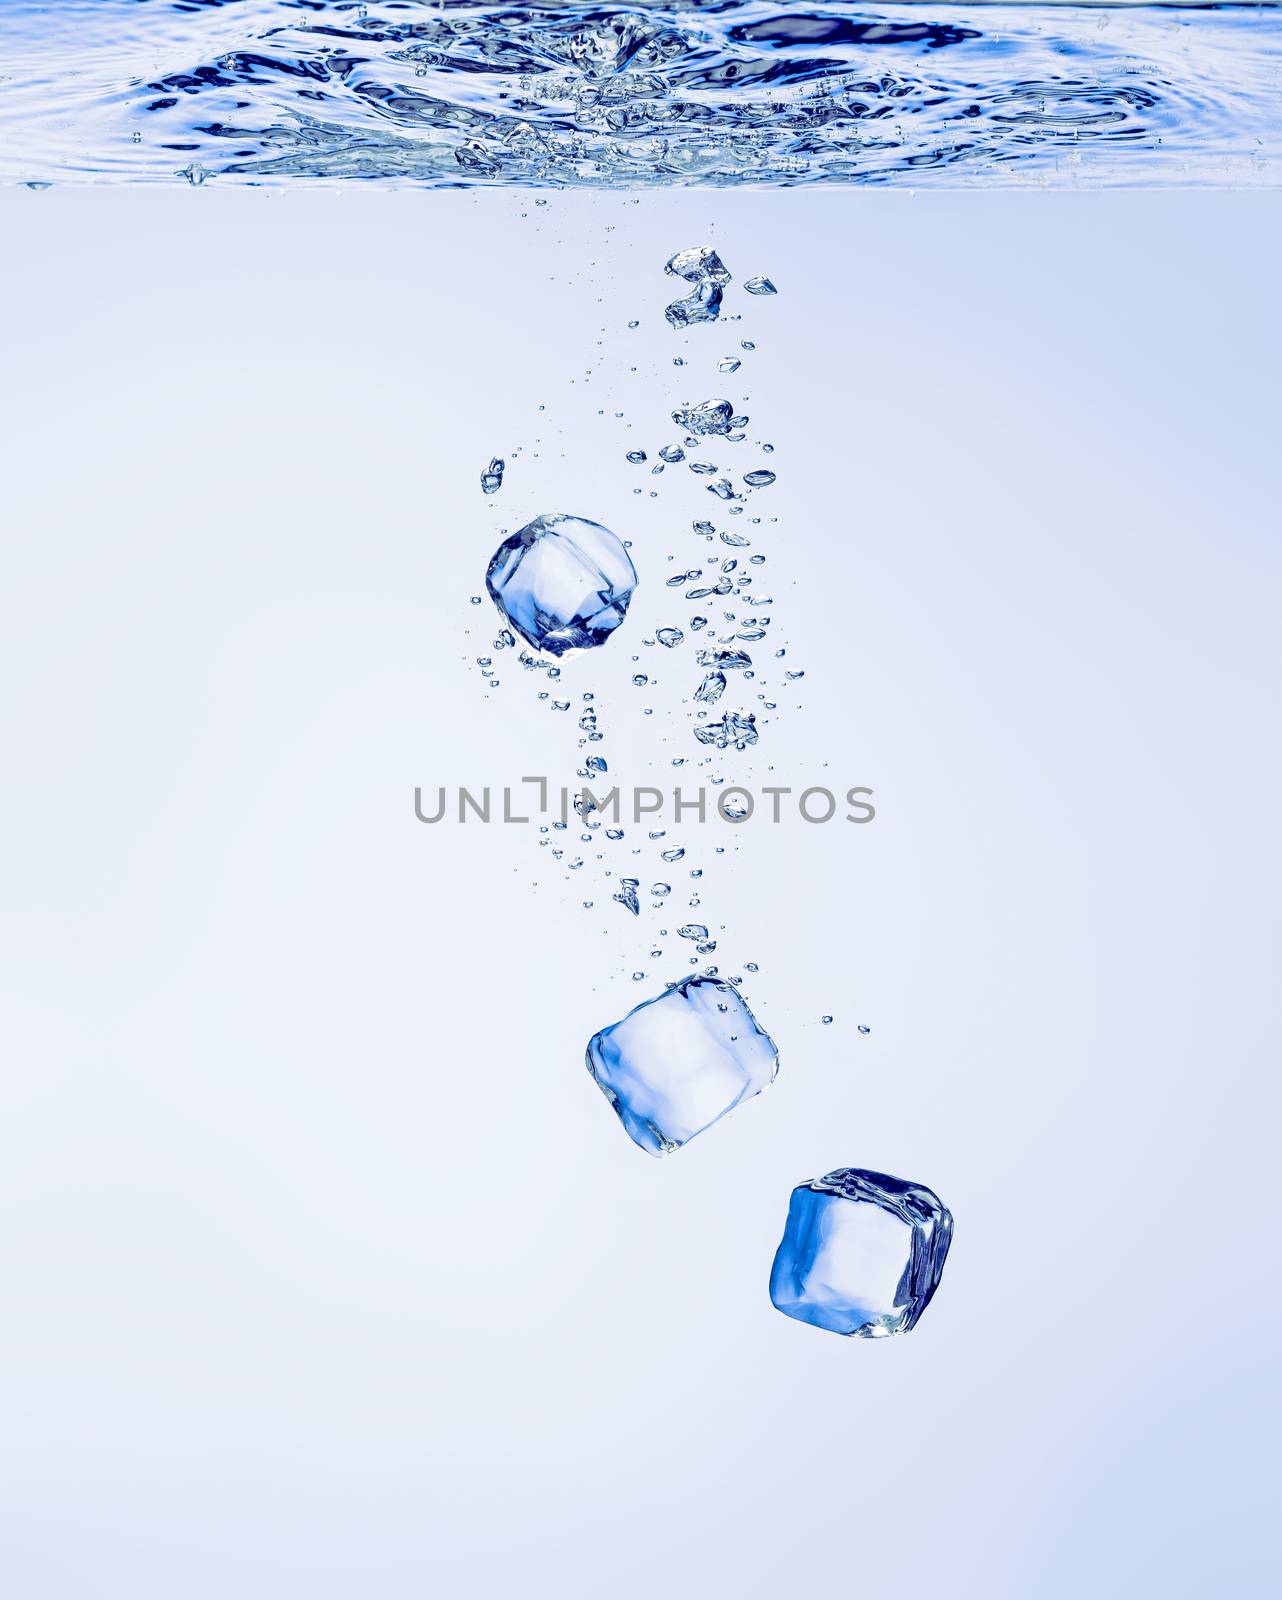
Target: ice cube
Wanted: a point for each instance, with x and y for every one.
(709, 416)
(733, 660)
(733, 729)
(704, 305)
(677, 1063)
(862, 1253)
(562, 582)
(701, 264)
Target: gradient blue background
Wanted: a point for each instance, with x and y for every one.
(325, 1269)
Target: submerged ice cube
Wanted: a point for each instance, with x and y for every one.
(733, 660)
(733, 729)
(704, 305)
(563, 582)
(709, 416)
(861, 1254)
(701, 264)
(677, 1063)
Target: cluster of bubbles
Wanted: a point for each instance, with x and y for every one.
(720, 629)
(726, 617)
(731, 616)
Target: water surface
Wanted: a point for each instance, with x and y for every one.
(438, 92)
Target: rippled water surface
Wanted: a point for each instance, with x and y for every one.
(436, 92)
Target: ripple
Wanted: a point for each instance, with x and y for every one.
(438, 93)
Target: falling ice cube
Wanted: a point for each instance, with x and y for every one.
(563, 583)
(861, 1253)
(725, 660)
(704, 305)
(701, 264)
(732, 729)
(709, 416)
(677, 1063)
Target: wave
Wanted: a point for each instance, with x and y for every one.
(438, 93)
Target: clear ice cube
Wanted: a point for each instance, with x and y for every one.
(861, 1254)
(732, 729)
(708, 417)
(704, 305)
(562, 582)
(701, 264)
(677, 1063)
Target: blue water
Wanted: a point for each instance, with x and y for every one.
(709, 91)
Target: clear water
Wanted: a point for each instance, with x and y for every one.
(436, 92)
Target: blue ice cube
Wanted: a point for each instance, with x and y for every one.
(861, 1253)
(563, 583)
(677, 1063)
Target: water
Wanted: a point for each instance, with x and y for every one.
(428, 93)
(679, 1062)
(277, 92)
(861, 1254)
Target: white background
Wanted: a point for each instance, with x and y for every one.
(325, 1269)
